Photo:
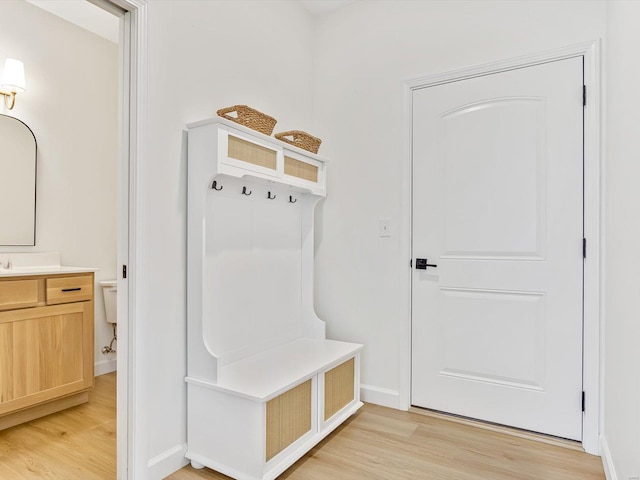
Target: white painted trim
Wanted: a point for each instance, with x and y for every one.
(406, 248)
(593, 288)
(380, 396)
(132, 441)
(104, 367)
(502, 65)
(167, 462)
(136, 447)
(125, 319)
(593, 348)
(607, 461)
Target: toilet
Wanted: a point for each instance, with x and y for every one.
(109, 293)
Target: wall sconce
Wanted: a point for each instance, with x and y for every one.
(12, 81)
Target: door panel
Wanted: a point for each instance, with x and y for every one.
(471, 350)
(497, 206)
(475, 169)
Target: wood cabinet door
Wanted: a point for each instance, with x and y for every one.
(45, 353)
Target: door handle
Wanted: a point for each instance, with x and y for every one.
(421, 264)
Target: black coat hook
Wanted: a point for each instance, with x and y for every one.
(270, 197)
(244, 191)
(215, 186)
(291, 200)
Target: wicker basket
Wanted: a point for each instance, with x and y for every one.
(249, 117)
(300, 139)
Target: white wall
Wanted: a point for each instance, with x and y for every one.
(622, 364)
(363, 53)
(202, 56)
(71, 106)
(341, 78)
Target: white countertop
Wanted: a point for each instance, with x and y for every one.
(43, 270)
(36, 263)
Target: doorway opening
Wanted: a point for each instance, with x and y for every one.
(123, 94)
(591, 340)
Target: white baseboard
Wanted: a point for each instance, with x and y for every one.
(168, 462)
(105, 366)
(607, 461)
(380, 396)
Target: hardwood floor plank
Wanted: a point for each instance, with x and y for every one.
(379, 443)
(75, 444)
(571, 444)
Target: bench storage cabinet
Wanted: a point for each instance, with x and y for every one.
(264, 383)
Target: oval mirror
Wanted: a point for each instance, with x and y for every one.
(17, 183)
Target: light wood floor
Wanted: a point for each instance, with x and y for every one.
(76, 444)
(377, 443)
(380, 443)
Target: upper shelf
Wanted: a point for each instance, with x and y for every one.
(242, 151)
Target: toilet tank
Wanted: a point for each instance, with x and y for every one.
(109, 293)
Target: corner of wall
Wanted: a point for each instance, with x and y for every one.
(105, 366)
(380, 396)
(168, 462)
(607, 461)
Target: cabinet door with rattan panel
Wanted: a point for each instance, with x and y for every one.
(252, 153)
(288, 418)
(299, 169)
(45, 353)
(339, 388)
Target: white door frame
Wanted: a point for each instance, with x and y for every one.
(593, 289)
(131, 434)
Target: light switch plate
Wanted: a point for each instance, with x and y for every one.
(384, 227)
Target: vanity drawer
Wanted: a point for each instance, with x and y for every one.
(69, 289)
(18, 294)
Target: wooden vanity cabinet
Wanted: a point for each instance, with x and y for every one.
(46, 345)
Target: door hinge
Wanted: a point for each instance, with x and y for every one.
(584, 248)
(411, 263)
(124, 271)
(584, 95)
(583, 400)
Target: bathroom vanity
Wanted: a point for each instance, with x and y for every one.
(46, 340)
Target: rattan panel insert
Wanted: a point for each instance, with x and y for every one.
(338, 388)
(251, 153)
(299, 169)
(288, 418)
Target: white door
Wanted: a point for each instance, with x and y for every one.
(497, 206)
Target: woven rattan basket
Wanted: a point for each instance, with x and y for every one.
(249, 117)
(300, 139)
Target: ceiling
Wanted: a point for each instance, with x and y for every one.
(90, 17)
(85, 15)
